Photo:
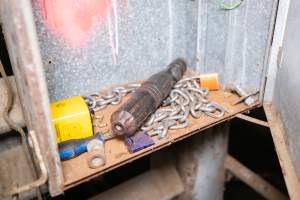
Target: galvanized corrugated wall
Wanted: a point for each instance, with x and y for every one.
(135, 38)
(235, 43)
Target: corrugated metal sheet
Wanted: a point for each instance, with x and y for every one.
(234, 42)
(141, 37)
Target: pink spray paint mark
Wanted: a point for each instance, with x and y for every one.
(74, 20)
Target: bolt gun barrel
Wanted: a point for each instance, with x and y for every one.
(145, 100)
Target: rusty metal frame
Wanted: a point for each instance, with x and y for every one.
(249, 177)
(278, 135)
(22, 43)
(281, 146)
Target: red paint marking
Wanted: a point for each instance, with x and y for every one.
(74, 20)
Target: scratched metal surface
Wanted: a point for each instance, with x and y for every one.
(149, 34)
(286, 92)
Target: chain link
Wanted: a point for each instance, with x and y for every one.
(186, 98)
(96, 101)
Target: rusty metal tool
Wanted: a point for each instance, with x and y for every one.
(243, 98)
(146, 99)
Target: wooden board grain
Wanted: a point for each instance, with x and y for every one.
(77, 171)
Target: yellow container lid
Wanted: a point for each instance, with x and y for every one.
(71, 119)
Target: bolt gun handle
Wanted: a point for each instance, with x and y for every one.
(73, 148)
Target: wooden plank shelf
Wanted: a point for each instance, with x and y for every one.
(77, 171)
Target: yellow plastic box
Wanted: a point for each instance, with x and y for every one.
(71, 119)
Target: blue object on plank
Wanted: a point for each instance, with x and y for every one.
(72, 148)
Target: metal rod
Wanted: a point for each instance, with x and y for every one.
(252, 179)
(253, 120)
(16, 110)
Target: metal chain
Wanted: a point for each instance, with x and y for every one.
(96, 101)
(186, 98)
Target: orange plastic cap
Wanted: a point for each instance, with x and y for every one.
(210, 81)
